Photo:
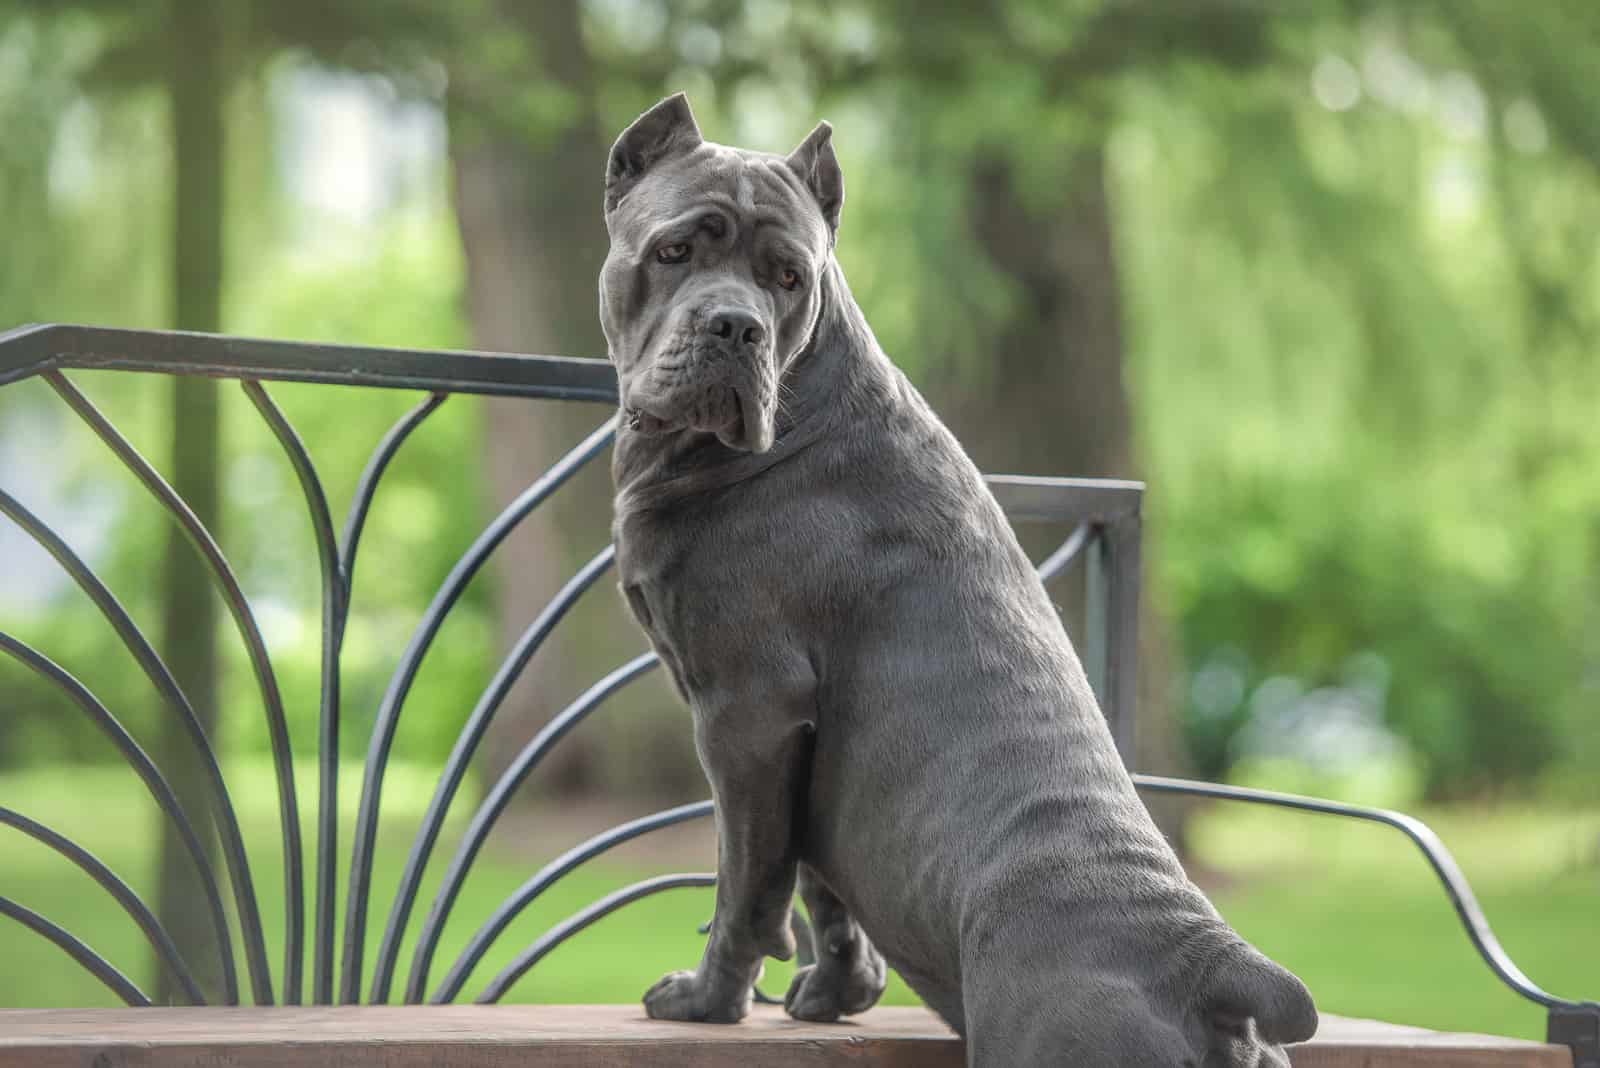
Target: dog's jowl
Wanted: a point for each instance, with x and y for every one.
(886, 704)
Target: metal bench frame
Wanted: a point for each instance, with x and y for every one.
(1103, 515)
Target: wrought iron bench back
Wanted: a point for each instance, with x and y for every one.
(1102, 517)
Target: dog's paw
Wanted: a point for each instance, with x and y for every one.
(821, 993)
(682, 996)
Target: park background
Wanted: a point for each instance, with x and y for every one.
(1324, 274)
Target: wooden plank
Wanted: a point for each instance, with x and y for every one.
(604, 1036)
(1346, 1043)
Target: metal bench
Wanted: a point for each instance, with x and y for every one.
(1102, 520)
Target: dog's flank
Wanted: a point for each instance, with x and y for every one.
(885, 702)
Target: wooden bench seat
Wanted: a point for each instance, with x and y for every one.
(604, 1036)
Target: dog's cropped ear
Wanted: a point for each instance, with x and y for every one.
(665, 130)
(1250, 986)
(818, 168)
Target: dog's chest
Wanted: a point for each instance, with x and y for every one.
(687, 605)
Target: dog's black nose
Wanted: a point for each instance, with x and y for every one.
(736, 325)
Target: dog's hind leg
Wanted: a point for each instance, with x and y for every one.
(849, 974)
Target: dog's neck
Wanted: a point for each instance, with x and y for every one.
(837, 372)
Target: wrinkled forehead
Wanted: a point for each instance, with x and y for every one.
(754, 190)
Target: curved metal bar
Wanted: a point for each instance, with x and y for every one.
(338, 576)
(92, 962)
(335, 607)
(1422, 836)
(388, 717)
(156, 669)
(1065, 553)
(250, 635)
(494, 803)
(546, 877)
(580, 920)
(356, 519)
(155, 782)
(140, 913)
(455, 768)
(244, 621)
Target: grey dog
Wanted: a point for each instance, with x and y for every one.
(885, 701)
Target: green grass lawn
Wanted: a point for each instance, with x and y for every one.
(1352, 909)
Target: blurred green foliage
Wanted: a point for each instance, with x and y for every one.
(1369, 422)
(1357, 272)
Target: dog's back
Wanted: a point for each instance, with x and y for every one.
(959, 745)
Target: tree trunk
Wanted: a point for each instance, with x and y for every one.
(528, 208)
(189, 611)
(1053, 400)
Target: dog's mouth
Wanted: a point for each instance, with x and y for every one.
(737, 420)
(732, 434)
(752, 425)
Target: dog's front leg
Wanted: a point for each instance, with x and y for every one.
(757, 767)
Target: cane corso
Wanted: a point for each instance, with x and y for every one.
(885, 701)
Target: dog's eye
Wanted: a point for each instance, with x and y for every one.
(789, 279)
(672, 253)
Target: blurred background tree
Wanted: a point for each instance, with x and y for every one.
(1325, 277)
(195, 52)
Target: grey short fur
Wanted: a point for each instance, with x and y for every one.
(887, 706)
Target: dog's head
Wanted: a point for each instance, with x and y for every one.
(712, 285)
